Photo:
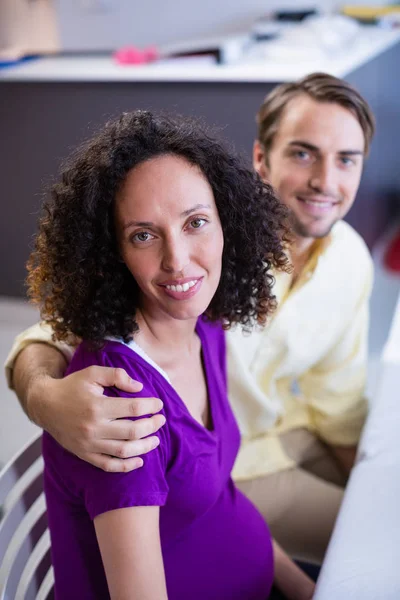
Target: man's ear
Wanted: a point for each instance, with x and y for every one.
(259, 161)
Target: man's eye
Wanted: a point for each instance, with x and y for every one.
(197, 223)
(142, 236)
(346, 161)
(302, 154)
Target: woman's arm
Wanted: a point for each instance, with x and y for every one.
(289, 578)
(129, 541)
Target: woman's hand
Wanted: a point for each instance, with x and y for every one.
(289, 578)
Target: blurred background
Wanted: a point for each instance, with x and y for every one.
(75, 25)
(67, 65)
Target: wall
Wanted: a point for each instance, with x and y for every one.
(27, 26)
(43, 138)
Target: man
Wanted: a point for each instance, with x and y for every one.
(297, 386)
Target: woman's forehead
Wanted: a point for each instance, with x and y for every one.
(164, 184)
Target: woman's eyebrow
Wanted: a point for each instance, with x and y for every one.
(185, 213)
(189, 211)
(138, 224)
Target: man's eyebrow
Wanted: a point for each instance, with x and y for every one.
(149, 224)
(314, 148)
(304, 145)
(351, 152)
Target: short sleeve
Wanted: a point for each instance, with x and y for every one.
(40, 332)
(100, 491)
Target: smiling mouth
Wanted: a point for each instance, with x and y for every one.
(184, 287)
(318, 203)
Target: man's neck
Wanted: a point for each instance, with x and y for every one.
(300, 253)
(301, 246)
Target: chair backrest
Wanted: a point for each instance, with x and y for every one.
(25, 563)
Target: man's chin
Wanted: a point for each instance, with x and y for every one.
(316, 230)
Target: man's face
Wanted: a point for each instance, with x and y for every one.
(314, 164)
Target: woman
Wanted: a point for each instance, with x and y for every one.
(154, 242)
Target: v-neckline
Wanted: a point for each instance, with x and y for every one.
(149, 362)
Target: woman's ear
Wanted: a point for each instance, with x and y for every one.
(260, 161)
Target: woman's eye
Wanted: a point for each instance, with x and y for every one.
(142, 236)
(197, 223)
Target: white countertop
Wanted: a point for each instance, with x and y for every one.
(391, 353)
(266, 64)
(364, 552)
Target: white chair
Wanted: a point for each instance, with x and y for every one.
(25, 563)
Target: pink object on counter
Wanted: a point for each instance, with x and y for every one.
(132, 55)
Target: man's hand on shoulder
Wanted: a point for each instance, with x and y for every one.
(77, 414)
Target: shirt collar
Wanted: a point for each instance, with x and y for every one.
(318, 248)
(283, 285)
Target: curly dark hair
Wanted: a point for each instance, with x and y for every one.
(75, 273)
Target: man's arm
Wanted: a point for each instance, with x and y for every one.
(345, 456)
(35, 362)
(77, 414)
(129, 541)
(334, 388)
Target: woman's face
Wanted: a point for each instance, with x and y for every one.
(170, 236)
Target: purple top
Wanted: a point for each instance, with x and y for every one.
(215, 544)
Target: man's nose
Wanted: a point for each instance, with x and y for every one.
(175, 256)
(323, 178)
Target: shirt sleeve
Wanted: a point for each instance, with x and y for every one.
(101, 491)
(334, 388)
(40, 332)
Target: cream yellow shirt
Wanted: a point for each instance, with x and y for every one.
(306, 368)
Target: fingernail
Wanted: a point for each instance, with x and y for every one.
(162, 419)
(156, 442)
(135, 383)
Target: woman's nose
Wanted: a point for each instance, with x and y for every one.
(175, 256)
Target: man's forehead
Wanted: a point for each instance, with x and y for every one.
(320, 124)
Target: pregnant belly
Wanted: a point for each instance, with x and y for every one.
(227, 554)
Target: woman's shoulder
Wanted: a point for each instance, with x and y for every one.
(116, 354)
(78, 475)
